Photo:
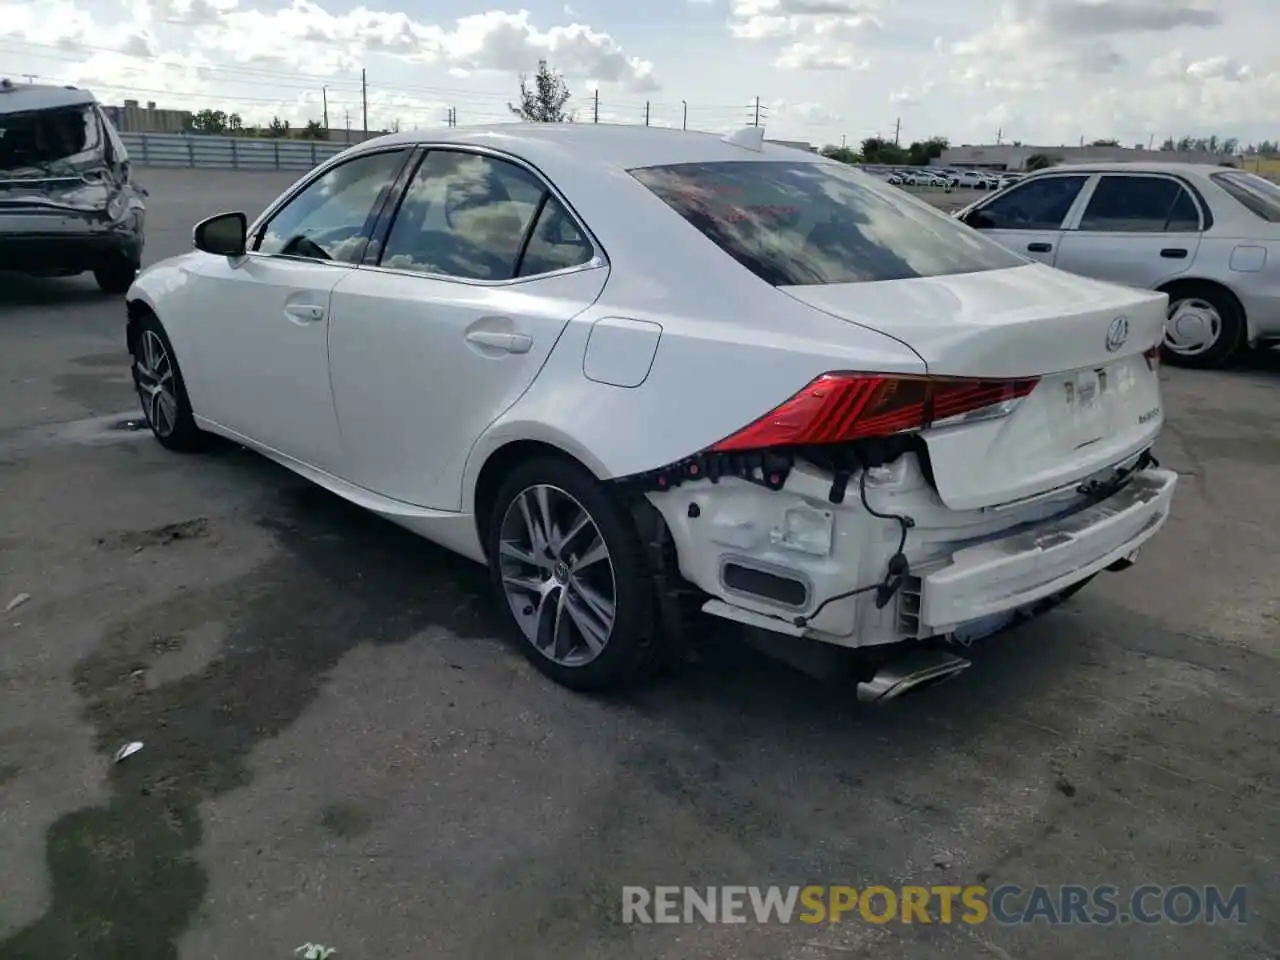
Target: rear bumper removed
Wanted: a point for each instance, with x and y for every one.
(786, 560)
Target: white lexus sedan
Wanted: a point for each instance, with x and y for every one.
(639, 372)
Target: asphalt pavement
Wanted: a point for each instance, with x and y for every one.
(338, 750)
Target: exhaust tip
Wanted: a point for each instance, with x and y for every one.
(913, 671)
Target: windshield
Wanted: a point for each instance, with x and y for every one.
(41, 137)
(796, 223)
(1259, 195)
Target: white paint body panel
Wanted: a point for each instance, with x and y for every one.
(381, 397)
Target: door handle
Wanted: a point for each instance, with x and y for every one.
(509, 342)
(1174, 253)
(1039, 247)
(304, 312)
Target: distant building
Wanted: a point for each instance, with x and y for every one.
(1005, 157)
(134, 118)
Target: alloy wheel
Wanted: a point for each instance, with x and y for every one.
(557, 575)
(1193, 328)
(153, 374)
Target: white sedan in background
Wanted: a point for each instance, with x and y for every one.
(636, 371)
(1207, 236)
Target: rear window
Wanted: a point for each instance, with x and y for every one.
(798, 224)
(1260, 196)
(46, 136)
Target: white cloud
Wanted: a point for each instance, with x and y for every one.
(814, 34)
(1048, 71)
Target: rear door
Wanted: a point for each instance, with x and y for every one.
(451, 320)
(1138, 229)
(1029, 218)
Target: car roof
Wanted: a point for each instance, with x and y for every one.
(23, 97)
(623, 146)
(1124, 166)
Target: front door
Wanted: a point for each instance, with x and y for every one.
(268, 350)
(431, 346)
(1136, 229)
(1028, 218)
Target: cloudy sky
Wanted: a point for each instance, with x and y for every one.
(1040, 71)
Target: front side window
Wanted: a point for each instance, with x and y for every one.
(797, 223)
(1040, 204)
(466, 216)
(1258, 195)
(332, 216)
(1131, 204)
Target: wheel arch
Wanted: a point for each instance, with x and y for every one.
(498, 463)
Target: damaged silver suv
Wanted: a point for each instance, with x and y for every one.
(68, 202)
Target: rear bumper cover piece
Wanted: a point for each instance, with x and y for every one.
(1011, 572)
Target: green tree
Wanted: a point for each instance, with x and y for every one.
(212, 122)
(1105, 143)
(920, 153)
(544, 100)
(843, 154)
(314, 130)
(278, 128)
(879, 150)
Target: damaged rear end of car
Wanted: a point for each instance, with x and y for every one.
(68, 203)
(875, 509)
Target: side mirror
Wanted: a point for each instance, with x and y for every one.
(223, 234)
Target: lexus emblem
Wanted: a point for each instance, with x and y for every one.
(1117, 334)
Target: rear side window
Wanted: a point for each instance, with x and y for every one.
(798, 223)
(1260, 196)
(1040, 204)
(1130, 204)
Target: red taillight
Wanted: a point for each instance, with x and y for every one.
(839, 407)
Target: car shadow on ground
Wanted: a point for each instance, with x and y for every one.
(19, 290)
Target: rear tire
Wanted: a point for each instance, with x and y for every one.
(569, 571)
(161, 389)
(117, 276)
(1205, 327)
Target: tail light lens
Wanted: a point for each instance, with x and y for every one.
(840, 407)
(1152, 354)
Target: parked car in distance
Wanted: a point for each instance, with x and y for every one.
(1207, 236)
(643, 373)
(68, 202)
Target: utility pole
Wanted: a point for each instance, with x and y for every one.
(999, 135)
(364, 99)
(646, 113)
(684, 114)
(595, 107)
(897, 131)
(757, 120)
(844, 141)
(346, 116)
(324, 95)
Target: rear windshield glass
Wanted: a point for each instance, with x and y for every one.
(796, 223)
(1259, 195)
(41, 137)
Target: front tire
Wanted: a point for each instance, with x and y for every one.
(1205, 328)
(117, 276)
(570, 573)
(161, 389)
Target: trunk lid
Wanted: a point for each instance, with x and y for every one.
(1098, 399)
